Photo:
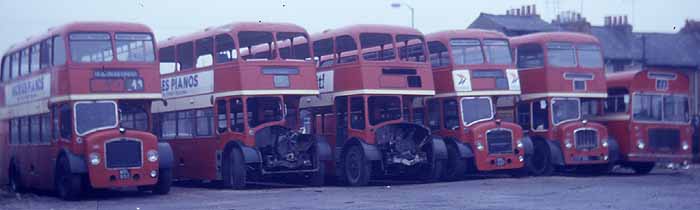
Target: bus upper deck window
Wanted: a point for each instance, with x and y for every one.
(185, 56)
(293, 46)
(561, 54)
(167, 60)
(530, 56)
(497, 51)
(6, 68)
(439, 55)
(204, 50)
(225, 49)
(90, 47)
(411, 48)
(323, 50)
(256, 45)
(135, 47)
(377, 47)
(467, 51)
(346, 49)
(589, 56)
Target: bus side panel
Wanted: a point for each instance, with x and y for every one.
(45, 162)
(325, 126)
(195, 158)
(620, 131)
(4, 151)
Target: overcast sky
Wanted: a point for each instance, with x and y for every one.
(20, 19)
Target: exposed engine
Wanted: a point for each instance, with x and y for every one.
(283, 149)
(403, 143)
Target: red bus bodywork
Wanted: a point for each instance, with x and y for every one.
(367, 79)
(644, 142)
(574, 141)
(63, 85)
(240, 80)
(490, 80)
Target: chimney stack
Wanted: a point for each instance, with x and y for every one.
(528, 11)
(534, 9)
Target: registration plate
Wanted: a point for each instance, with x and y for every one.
(500, 162)
(124, 174)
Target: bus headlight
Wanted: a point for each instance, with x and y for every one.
(685, 145)
(567, 143)
(640, 144)
(479, 146)
(605, 143)
(152, 155)
(94, 159)
(520, 144)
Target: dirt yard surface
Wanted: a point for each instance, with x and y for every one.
(663, 189)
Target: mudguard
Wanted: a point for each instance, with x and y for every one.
(371, 151)
(250, 155)
(613, 150)
(77, 163)
(555, 153)
(323, 149)
(165, 155)
(528, 146)
(465, 151)
(439, 148)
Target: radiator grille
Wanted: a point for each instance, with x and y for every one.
(664, 139)
(499, 141)
(123, 153)
(586, 139)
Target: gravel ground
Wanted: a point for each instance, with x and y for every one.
(663, 189)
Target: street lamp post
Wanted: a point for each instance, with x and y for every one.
(398, 5)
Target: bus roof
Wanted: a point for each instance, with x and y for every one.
(446, 35)
(232, 28)
(94, 26)
(554, 37)
(640, 80)
(356, 30)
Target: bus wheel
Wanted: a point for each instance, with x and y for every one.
(539, 164)
(317, 178)
(68, 185)
(643, 168)
(235, 173)
(433, 172)
(165, 179)
(357, 170)
(456, 167)
(15, 183)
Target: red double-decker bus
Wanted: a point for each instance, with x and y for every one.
(75, 110)
(562, 80)
(369, 76)
(474, 107)
(647, 111)
(231, 99)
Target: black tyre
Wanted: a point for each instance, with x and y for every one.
(235, 170)
(643, 168)
(519, 173)
(317, 178)
(165, 180)
(540, 163)
(15, 184)
(455, 166)
(433, 172)
(356, 168)
(602, 169)
(68, 185)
